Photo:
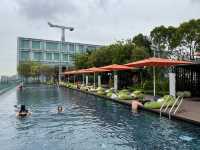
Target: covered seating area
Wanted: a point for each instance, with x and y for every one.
(81, 77)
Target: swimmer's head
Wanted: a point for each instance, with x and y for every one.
(60, 108)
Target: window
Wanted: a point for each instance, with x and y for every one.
(36, 44)
(52, 46)
(91, 48)
(24, 56)
(71, 57)
(81, 48)
(56, 56)
(65, 57)
(64, 47)
(71, 48)
(37, 56)
(48, 56)
(24, 44)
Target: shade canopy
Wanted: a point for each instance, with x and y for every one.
(116, 67)
(157, 62)
(77, 72)
(96, 70)
(70, 72)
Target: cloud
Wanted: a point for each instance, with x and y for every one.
(46, 9)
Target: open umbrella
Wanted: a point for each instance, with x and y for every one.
(97, 70)
(115, 68)
(156, 62)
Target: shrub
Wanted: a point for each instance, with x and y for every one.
(187, 94)
(101, 92)
(124, 96)
(109, 94)
(179, 93)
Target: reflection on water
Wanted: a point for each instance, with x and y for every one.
(87, 123)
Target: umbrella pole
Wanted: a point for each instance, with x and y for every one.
(83, 79)
(68, 78)
(154, 81)
(94, 79)
(115, 81)
(74, 79)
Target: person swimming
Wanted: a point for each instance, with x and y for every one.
(60, 109)
(23, 112)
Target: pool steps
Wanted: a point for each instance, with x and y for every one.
(173, 109)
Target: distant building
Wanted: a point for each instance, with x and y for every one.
(49, 52)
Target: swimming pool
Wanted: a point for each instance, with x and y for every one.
(88, 123)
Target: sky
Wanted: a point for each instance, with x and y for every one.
(95, 21)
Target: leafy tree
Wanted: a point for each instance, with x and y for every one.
(189, 33)
(142, 41)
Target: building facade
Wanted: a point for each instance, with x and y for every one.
(50, 52)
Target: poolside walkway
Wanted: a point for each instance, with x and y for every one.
(189, 110)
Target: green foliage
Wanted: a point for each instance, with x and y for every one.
(120, 52)
(187, 94)
(179, 93)
(33, 69)
(183, 93)
(124, 96)
(185, 37)
(157, 104)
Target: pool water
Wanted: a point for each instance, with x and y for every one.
(88, 123)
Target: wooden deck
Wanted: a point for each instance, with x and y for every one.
(190, 109)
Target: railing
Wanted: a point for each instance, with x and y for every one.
(180, 100)
(167, 104)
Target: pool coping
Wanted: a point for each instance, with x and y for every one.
(173, 117)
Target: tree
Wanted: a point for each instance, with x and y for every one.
(142, 41)
(24, 69)
(189, 33)
(158, 37)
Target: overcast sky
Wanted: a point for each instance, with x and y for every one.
(95, 21)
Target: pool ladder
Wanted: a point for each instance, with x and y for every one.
(173, 109)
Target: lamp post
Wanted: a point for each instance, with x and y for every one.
(63, 28)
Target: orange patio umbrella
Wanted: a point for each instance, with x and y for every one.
(84, 71)
(73, 72)
(156, 62)
(116, 67)
(97, 70)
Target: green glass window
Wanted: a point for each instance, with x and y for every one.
(38, 56)
(56, 56)
(36, 45)
(64, 47)
(71, 57)
(65, 57)
(24, 56)
(48, 56)
(91, 48)
(81, 48)
(71, 48)
(24, 44)
(52, 46)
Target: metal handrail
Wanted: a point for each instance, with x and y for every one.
(162, 108)
(181, 101)
(167, 106)
(173, 106)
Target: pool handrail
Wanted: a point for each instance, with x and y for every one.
(162, 107)
(178, 98)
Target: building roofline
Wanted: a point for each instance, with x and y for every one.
(39, 39)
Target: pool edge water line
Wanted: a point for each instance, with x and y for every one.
(6, 89)
(173, 117)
